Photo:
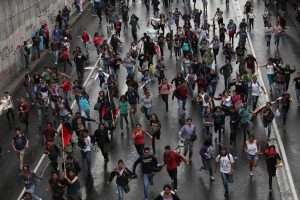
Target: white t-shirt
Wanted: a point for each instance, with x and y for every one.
(7, 102)
(225, 163)
(252, 148)
(270, 69)
(88, 144)
(254, 88)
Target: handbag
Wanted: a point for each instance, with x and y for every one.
(279, 164)
(97, 106)
(126, 188)
(278, 113)
(193, 137)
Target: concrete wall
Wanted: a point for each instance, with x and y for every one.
(18, 20)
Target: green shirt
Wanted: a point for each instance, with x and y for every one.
(124, 107)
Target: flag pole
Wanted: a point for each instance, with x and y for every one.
(112, 115)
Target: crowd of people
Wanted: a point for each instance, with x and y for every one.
(196, 52)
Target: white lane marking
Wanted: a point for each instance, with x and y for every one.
(275, 127)
(72, 106)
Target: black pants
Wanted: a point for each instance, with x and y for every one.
(26, 61)
(155, 137)
(10, 111)
(173, 174)
(65, 64)
(271, 173)
(165, 98)
(245, 129)
(134, 34)
(251, 23)
(140, 148)
(233, 130)
(103, 151)
(54, 163)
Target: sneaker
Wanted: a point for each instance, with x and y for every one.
(212, 178)
(251, 173)
(55, 63)
(175, 190)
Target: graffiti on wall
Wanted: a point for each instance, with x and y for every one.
(6, 52)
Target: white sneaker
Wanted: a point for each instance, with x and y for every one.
(212, 178)
(55, 63)
(251, 173)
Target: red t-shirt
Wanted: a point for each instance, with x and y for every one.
(139, 138)
(66, 86)
(97, 40)
(85, 37)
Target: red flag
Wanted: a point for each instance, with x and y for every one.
(66, 137)
(103, 111)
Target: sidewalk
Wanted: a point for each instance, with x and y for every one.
(12, 84)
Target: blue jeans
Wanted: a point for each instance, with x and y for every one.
(212, 90)
(130, 70)
(67, 97)
(30, 95)
(147, 112)
(86, 46)
(298, 95)
(226, 178)
(87, 156)
(181, 104)
(271, 80)
(147, 178)
(42, 111)
(191, 89)
(254, 101)
(208, 131)
(55, 53)
(31, 188)
(66, 21)
(207, 166)
(120, 189)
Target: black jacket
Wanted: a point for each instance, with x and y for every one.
(121, 179)
(149, 163)
(101, 137)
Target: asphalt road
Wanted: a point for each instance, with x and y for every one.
(192, 183)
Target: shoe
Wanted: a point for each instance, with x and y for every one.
(151, 182)
(251, 173)
(55, 63)
(212, 178)
(226, 195)
(175, 190)
(201, 168)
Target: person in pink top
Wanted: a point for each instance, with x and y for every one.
(277, 30)
(164, 91)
